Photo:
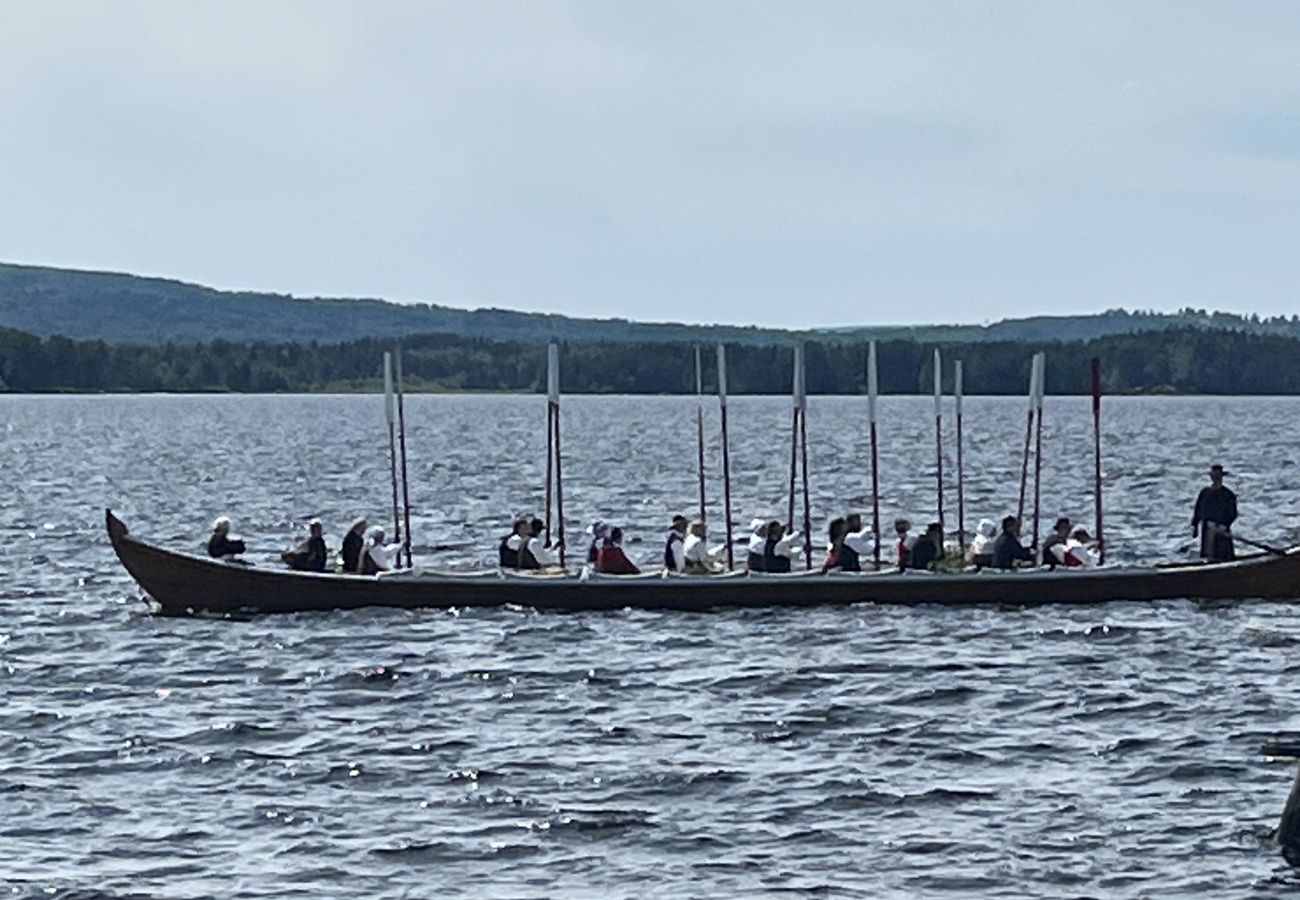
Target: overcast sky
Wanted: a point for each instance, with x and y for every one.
(792, 164)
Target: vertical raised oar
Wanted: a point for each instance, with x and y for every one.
(699, 426)
(1038, 444)
(1096, 456)
(957, 391)
(794, 433)
(803, 463)
(552, 398)
(726, 452)
(390, 414)
(799, 440)
(553, 404)
(1029, 440)
(401, 445)
(938, 433)
(873, 389)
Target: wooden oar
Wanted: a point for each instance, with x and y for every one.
(550, 441)
(873, 390)
(794, 436)
(1277, 551)
(390, 413)
(401, 443)
(938, 434)
(1038, 446)
(1029, 437)
(1096, 457)
(957, 391)
(801, 413)
(553, 403)
(726, 452)
(699, 426)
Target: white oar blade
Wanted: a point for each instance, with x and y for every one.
(1042, 380)
(873, 383)
(800, 387)
(958, 387)
(722, 374)
(553, 373)
(938, 384)
(389, 411)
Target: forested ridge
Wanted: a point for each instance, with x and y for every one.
(1186, 360)
(124, 308)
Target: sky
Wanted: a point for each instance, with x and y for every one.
(789, 164)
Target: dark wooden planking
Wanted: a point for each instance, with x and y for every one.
(182, 583)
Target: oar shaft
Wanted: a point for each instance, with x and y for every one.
(958, 388)
(554, 474)
(401, 440)
(726, 453)
(1096, 457)
(1038, 447)
(796, 393)
(699, 427)
(873, 390)
(559, 487)
(938, 435)
(807, 500)
(390, 414)
(794, 457)
(550, 466)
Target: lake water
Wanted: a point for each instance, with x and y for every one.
(841, 752)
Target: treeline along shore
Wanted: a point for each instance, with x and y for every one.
(1183, 361)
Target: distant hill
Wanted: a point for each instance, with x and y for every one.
(120, 308)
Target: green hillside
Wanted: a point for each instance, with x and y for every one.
(120, 308)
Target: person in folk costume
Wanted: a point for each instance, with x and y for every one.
(1212, 518)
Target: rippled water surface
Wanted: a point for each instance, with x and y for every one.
(860, 751)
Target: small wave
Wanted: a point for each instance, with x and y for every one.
(936, 696)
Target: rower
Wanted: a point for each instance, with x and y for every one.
(1054, 543)
(353, 543)
(835, 536)
(378, 556)
(538, 553)
(222, 544)
(511, 545)
(1007, 549)
(675, 546)
(1080, 551)
(1216, 510)
(981, 548)
(612, 560)
(778, 549)
(754, 549)
(902, 530)
(700, 560)
(598, 531)
(856, 543)
(928, 549)
(310, 555)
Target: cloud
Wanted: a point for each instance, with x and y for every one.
(776, 163)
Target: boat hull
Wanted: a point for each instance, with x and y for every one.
(182, 583)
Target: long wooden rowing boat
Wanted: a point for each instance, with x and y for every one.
(183, 583)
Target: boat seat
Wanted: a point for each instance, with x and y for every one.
(533, 574)
(785, 576)
(683, 576)
(640, 576)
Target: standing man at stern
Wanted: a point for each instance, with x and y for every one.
(1216, 510)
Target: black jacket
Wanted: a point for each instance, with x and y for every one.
(1007, 551)
(351, 552)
